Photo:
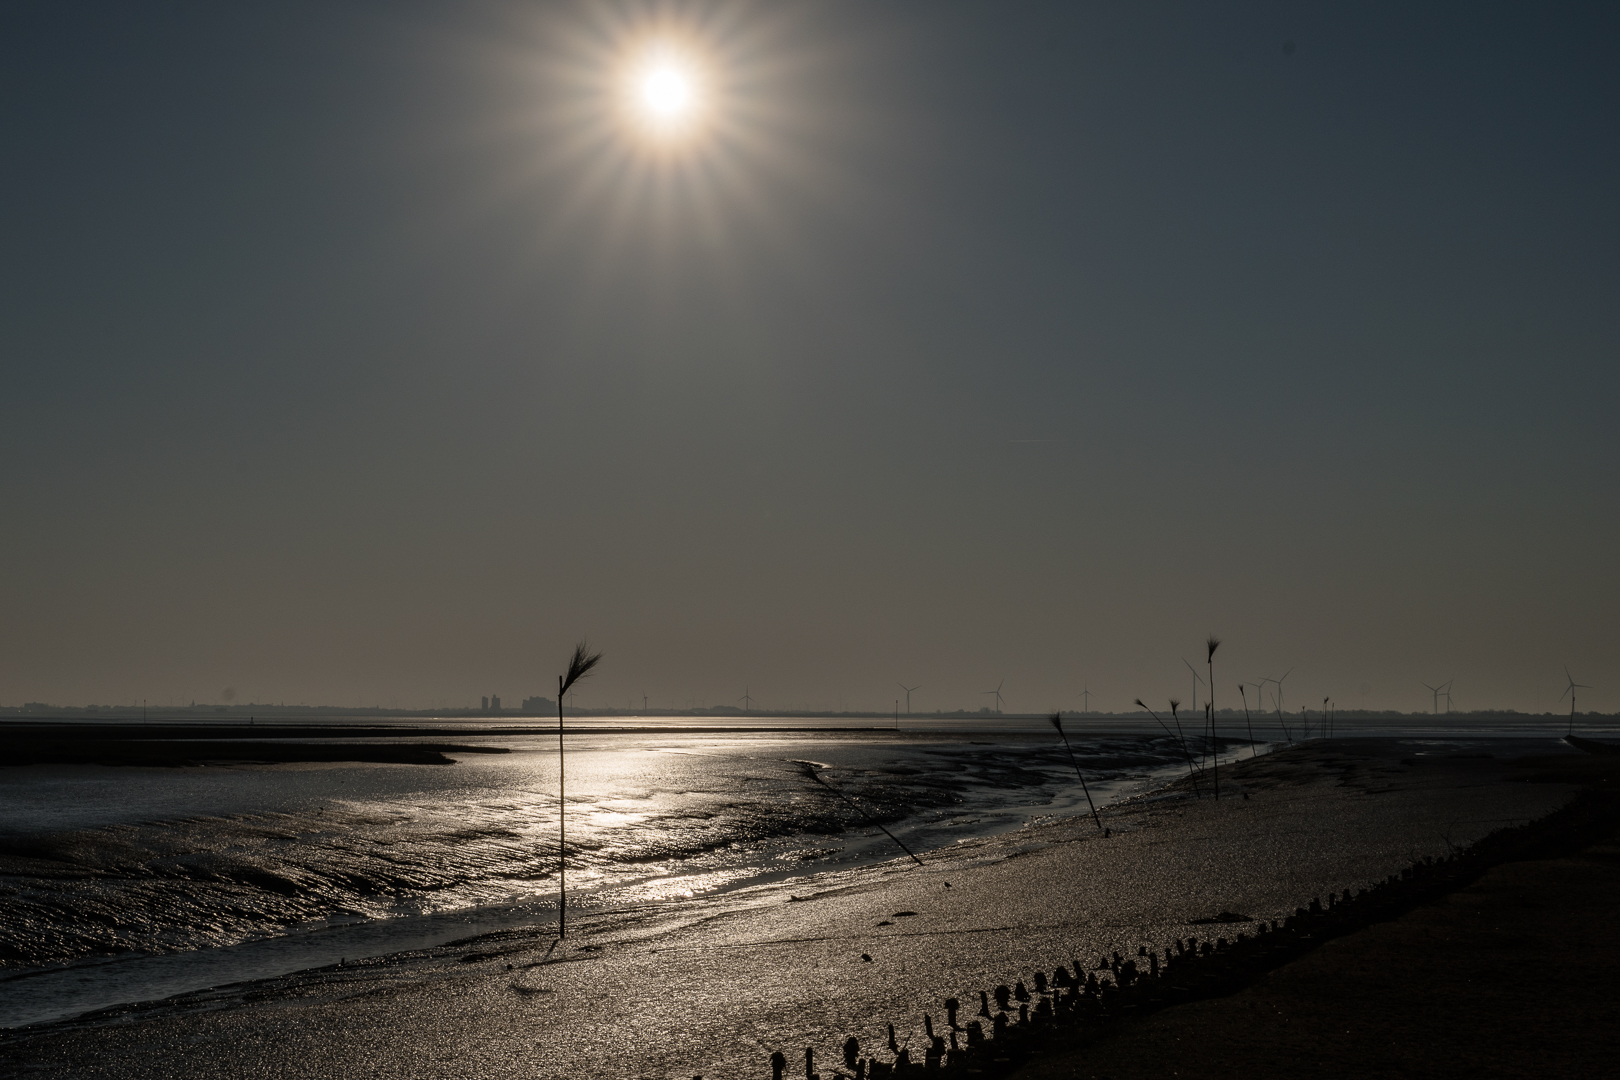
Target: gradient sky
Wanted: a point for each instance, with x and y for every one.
(355, 353)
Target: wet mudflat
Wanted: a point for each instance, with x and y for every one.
(713, 986)
(134, 883)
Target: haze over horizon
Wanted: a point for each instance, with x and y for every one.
(353, 353)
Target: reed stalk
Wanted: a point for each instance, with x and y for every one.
(1175, 704)
(1215, 746)
(815, 774)
(579, 666)
(1182, 740)
(1057, 722)
(1246, 720)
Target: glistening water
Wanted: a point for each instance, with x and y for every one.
(129, 884)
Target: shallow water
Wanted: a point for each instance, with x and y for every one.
(128, 884)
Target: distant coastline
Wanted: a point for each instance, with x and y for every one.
(36, 711)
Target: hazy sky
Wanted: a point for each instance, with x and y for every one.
(361, 353)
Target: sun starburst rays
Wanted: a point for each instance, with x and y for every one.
(682, 138)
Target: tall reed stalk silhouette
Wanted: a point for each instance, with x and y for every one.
(1057, 722)
(1283, 723)
(579, 666)
(1247, 722)
(1182, 740)
(1214, 742)
(815, 774)
(1214, 751)
(1175, 704)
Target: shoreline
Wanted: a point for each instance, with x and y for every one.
(178, 753)
(715, 986)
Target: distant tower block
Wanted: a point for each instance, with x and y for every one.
(494, 703)
(484, 704)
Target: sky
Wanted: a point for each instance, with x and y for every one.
(368, 354)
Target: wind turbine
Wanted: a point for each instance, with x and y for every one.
(1437, 691)
(1197, 678)
(748, 702)
(1086, 694)
(1570, 690)
(908, 690)
(1279, 683)
(997, 693)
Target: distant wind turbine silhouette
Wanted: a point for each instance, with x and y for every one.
(1570, 690)
(996, 692)
(1197, 678)
(1086, 694)
(1279, 683)
(1437, 691)
(908, 690)
(748, 702)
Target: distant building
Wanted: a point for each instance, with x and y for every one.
(484, 704)
(539, 705)
(494, 703)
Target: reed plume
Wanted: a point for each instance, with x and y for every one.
(579, 666)
(1057, 722)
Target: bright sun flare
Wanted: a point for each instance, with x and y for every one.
(666, 94)
(666, 91)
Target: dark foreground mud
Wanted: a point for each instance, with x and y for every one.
(1499, 963)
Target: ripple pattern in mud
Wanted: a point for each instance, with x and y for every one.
(301, 848)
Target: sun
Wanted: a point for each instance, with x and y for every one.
(666, 93)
